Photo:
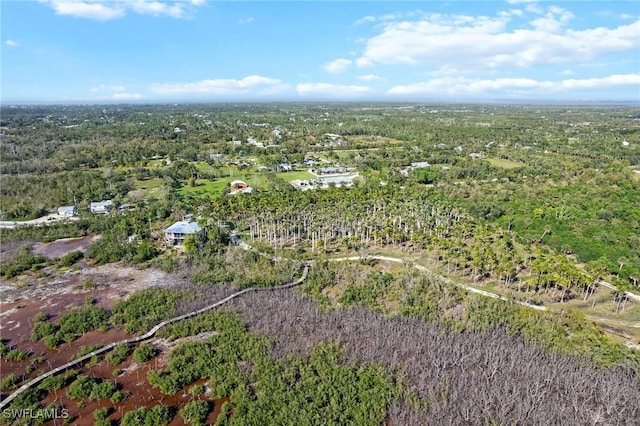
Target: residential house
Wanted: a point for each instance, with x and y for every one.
(67, 211)
(338, 181)
(176, 233)
(101, 207)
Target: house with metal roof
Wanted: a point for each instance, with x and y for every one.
(338, 181)
(103, 206)
(176, 233)
(67, 211)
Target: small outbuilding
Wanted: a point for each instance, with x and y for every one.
(240, 187)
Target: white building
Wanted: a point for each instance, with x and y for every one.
(67, 211)
(102, 207)
(176, 233)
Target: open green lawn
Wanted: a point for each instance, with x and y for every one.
(146, 188)
(291, 176)
(208, 188)
(505, 164)
(222, 170)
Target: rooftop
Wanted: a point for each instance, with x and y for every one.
(184, 227)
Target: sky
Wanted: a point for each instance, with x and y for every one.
(126, 51)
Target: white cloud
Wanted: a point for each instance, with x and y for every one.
(365, 19)
(156, 8)
(337, 66)
(463, 86)
(87, 9)
(11, 43)
(247, 20)
(331, 90)
(566, 72)
(112, 9)
(600, 83)
(486, 43)
(215, 86)
(369, 77)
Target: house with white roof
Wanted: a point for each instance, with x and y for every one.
(67, 211)
(176, 233)
(101, 207)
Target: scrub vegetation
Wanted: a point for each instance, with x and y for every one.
(536, 206)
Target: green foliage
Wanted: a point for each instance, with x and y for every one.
(101, 413)
(89, 387)
(321, 389)
(119, 396)
(16, 355)
(81, 320)
(195, 412)
(118, 354)
(70, 258)
(103, 390)
(144, 353)
(27, 400)
(81, 387)
(41, 328)
(4, 347)
(23, 261)
(566, 332)
(58, 381)
(144, 309)
(157, 416)
(8, 382)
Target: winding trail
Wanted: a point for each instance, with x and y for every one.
(4, 403)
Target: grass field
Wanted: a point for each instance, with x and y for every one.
(291, 176)
(147, 188)
(505, 164)
(208, 188)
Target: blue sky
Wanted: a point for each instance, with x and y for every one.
(91, 51)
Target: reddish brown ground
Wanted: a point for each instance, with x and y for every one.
(134, 381)
(53, 293)
(61, 247)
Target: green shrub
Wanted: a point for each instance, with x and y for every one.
(195, 412)
(8, 382)
(144, 353)
(70, 258)
(118, 354)
(16, 355)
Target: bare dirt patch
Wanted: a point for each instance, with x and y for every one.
(63, 246)
(57, 295)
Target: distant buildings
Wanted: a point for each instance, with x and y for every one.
(176, 233)
(324, 182)
(413, 166)
(101, 207)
